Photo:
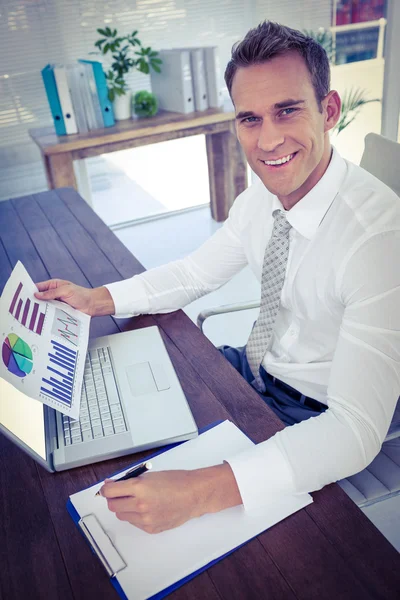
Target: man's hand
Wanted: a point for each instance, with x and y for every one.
(163, 500)
(93, 302)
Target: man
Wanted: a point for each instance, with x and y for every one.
(323, 236)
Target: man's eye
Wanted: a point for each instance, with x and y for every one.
(288, 111)
(249, 120)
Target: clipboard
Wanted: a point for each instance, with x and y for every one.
(113, 559)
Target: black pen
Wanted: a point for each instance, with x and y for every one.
(135, 472)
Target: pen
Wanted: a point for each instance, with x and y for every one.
(135, 472)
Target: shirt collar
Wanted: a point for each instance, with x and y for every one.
(307, 214)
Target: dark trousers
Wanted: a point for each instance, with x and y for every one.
(286, 402)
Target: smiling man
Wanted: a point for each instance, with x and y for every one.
(281, 124)
(323, 238)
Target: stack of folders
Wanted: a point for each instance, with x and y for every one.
(189, 80)
(78, 97)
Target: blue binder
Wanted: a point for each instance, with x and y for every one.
(102, 92)
(76, 518)
(54, 100)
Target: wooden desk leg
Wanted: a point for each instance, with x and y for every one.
(60, 171)
(82, 175)
(227, 171)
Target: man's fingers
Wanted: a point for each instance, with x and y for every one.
(126, 504)
(42, 286)
(54, 293)
(119, 489)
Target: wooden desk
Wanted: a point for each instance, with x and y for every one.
(328, 550)
(226, 162)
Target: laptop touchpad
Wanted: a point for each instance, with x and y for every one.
(143, 380)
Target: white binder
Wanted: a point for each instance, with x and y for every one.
(86, 95)
(213, 77)
(95, 103)
(77, 98)
(199, 78)
(173, 86)
(64, 95)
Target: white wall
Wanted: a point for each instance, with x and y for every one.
(299, 14)
(367, 75)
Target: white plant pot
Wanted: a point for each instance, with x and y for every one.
(122, 106)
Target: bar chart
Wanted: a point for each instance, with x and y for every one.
(61, 367)
(26, 311)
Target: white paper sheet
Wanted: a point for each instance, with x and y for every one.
(156, 561)
(44, 345)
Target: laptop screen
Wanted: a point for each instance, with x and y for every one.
(23, 416)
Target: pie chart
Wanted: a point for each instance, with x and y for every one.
(17, 356)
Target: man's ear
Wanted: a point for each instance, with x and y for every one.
(331, 105)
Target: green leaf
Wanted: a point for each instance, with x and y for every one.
(111, 95)
(102, 32)
(106, 48)
(114, 33)
(108, 32)
(144, 67)
(156, 68)
(158, 61)
(352, 102)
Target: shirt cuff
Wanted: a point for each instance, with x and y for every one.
(129, 297)
(261, 472)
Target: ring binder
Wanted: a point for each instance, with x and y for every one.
(107, 553)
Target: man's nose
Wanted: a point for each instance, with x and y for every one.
(271, 136)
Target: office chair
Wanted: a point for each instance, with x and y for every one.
(381, 479)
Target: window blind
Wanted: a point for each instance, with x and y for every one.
(36, 32)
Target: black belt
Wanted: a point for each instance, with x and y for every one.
(296, 395)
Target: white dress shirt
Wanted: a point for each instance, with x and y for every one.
(337, 334)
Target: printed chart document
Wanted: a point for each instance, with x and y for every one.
(141, 564)
(44, 345)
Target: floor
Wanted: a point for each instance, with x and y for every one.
(174, 237)
(150, 180)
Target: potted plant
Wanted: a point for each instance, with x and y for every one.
(144, 104)
(128, 54)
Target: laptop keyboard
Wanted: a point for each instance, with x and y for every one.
(101, 411)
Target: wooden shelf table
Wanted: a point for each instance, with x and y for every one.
(226, 162)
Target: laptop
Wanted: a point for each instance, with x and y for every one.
(131, 400)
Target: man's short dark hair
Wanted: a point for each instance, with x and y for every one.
(269, 40)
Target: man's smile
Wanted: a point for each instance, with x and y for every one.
(279, 162)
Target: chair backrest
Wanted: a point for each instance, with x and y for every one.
(381, 158)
